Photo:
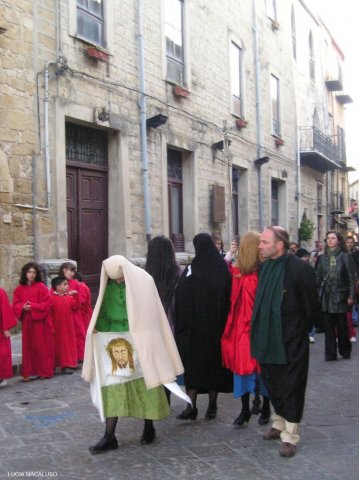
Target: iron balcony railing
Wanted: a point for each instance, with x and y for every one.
(337, 201)
(313, 140)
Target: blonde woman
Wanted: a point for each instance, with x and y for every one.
(236, 337)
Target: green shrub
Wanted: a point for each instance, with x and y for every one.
(306, 229)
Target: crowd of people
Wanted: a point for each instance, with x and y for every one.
(239, 322)
(53, 323)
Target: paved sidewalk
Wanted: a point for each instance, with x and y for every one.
(46, 427)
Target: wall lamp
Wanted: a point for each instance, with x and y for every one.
(220, 145)
(156, 121)
(261, 161)
(102, 114)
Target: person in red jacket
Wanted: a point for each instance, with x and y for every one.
(7, 321)
(236, 337)
(31, 305)
(63, 305)
(68, 270)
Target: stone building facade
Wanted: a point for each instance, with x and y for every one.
(75, 180)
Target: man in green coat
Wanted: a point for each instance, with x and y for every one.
(285, 306)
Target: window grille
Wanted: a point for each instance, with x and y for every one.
(86, 145)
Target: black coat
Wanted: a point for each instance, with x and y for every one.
(202, 303)
(286, 384)
(334, 292)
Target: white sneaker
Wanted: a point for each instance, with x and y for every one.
(3, 383)
(311, 339)
(353, 339)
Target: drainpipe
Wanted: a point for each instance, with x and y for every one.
(258, 112)
(58, 29)
(46, 134)
(34, 218)
(142, 107)
(299, 181)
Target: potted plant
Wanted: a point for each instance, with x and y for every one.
(306, 229)
(98, 54)
(241, 123)
(179, 91)
(279, 141)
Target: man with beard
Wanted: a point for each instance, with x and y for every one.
(285, 305)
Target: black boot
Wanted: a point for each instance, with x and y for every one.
(212, 405)
(149, 433)
(191, 411)
(265, 412)
(189, 414)
(245, 414)
(256, 405)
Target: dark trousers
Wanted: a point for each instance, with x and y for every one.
(335, 325)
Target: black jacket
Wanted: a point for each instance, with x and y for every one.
(334, 292)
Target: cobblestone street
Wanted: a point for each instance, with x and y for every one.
(47, 426)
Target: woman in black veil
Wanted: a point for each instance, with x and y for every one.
(202, 303)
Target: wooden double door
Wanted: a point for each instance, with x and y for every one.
(87, 216)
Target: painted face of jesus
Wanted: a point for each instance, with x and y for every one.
(120, 354)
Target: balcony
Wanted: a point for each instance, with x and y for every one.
(318, 150)
(343, 99)
(335, 83)
(337, 203)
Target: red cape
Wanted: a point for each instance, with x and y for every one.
(235, 341)
(62, 309)
(37, 329)
(7, 321)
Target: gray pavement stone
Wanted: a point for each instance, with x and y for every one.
(47, 426)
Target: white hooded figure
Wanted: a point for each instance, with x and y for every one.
(130, 352)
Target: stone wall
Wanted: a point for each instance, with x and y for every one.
(78, 85)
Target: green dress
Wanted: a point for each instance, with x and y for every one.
(130, 399)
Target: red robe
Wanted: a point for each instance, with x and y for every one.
(7, 321)
(37, 330)
(86, 308)
(236, 349)
(79, 325)
(62, 310)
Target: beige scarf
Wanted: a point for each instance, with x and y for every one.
(148, 324)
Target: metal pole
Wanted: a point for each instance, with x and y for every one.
(142, 107)
(258, 113)
(229, 166)
(299, 182)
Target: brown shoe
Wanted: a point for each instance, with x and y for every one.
(287, 450)
(272, 434)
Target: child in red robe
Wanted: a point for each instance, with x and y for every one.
(7, 321)
(68, 270)
(31, 305)
(85, 300)
(63, 305)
